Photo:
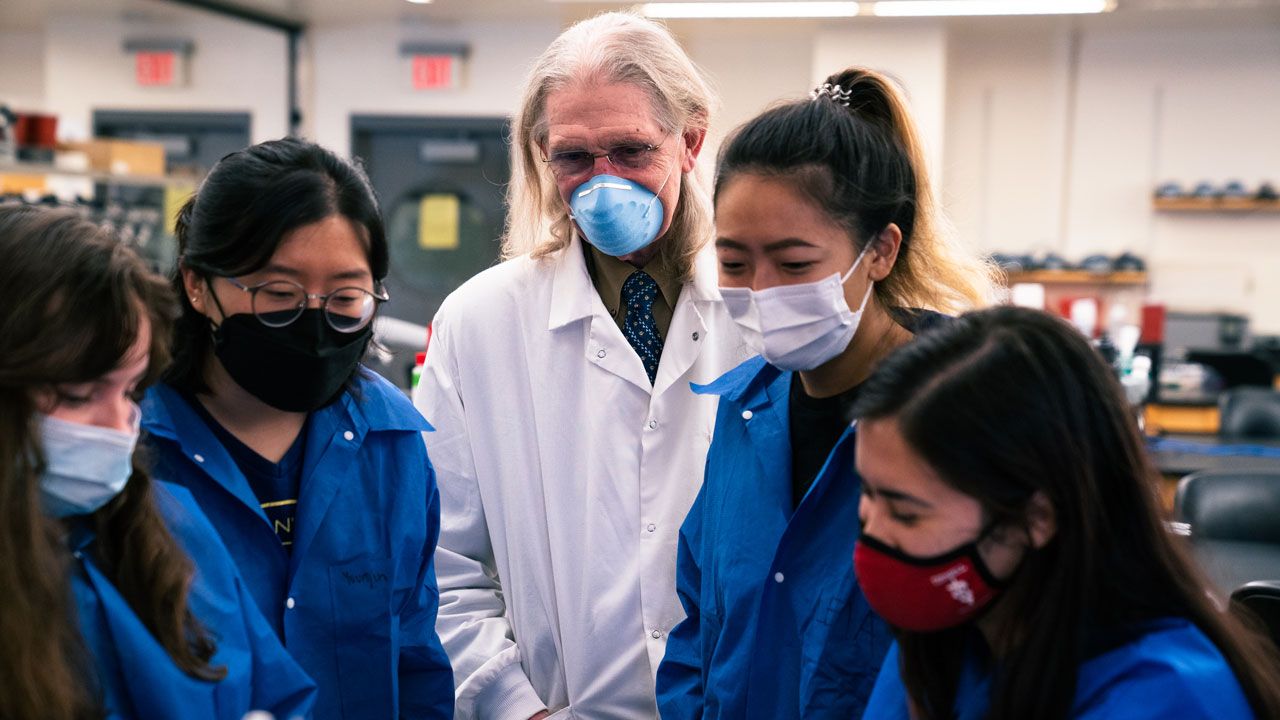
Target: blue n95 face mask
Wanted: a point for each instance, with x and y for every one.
(85, 465)
(617, 216)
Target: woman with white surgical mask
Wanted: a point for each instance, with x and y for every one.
(831, 255)
(104, 613)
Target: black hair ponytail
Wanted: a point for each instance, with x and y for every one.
(854, 151)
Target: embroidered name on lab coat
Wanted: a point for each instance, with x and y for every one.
(366, 578)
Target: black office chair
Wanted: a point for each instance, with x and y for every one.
(1241, 506)
(1262, 598)
(1249, 412)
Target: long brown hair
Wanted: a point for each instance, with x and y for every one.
(1009, 402)
(74, 299)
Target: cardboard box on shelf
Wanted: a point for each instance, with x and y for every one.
(122, 157)
(19, 183)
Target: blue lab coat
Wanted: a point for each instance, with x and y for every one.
(1171, 670)
(138, 679)
(356, 599)
(777, 626)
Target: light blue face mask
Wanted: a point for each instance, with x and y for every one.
(86, 465)
(618, 216)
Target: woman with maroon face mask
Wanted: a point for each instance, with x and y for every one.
(1011, 540)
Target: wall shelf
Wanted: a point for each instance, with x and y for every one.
(1079, 277)
(42, 169)
(1220, 205)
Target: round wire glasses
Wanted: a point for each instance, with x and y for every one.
(277, 303)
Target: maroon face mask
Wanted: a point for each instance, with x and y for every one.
(924, 594)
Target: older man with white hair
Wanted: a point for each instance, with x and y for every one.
(568, 443)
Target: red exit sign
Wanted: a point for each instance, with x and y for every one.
(432, 72)
(156, 68)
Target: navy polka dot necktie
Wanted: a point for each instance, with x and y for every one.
(638, 294)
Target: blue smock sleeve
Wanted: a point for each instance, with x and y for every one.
(1171, 673)
(888, 699)
(426, 677)
(680, 675)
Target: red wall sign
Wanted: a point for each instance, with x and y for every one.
(156, 68)
(432, 72)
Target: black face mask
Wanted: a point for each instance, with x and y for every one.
(300, 367)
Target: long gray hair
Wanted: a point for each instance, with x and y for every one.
(613, 47)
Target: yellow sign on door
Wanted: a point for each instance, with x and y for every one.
(438, 222)
(175, 196)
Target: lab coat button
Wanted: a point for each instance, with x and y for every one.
(349, 435)
(198, 458)
(289, 603)
(653, 424)
(777, 577)
(600, 354)
(695, 337)
(651, 527)
(656, 634)
(746, 414)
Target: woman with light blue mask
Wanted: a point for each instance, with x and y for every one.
(104, 613)
(830, 256)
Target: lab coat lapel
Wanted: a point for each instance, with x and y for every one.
(334, 435)
(688, 332)
(574, 299)
(770, 430)
(169, 416)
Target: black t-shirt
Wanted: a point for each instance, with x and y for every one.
(274, 484)
(816, 425)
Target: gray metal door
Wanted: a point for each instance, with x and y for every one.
(440, 182)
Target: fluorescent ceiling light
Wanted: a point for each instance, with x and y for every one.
(749, 9)
(933, 8)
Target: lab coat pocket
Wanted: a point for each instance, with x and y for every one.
(361, 591)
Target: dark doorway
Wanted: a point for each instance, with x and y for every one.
(441, 184)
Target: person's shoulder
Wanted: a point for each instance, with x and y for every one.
(189, 526)
(177, 505)
(384, 406)
(163, 409)
(1171, 670)
(919, 320)
(752, 373)
(497, 287)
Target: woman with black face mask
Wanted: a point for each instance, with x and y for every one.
(311, 467)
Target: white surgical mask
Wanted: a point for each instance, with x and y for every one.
(86, 465)
(797, 327)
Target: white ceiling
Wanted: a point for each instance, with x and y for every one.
(31, 14)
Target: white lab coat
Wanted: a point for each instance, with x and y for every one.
(564, 478)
